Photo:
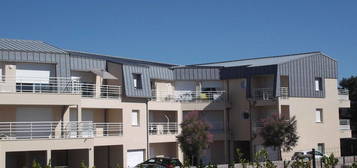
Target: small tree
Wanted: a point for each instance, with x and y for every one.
(280, 134)
(195, 137)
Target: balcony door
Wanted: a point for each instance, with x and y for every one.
(33, 122)
(34, 77)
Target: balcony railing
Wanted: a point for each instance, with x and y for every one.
(106, 91)
(57, 130)
(343, 94)
(189, 96)
(108, 129)
(263, 93)
(284, 92)
(163, 128)
(57, 85)
(345, 124)
(60, 85)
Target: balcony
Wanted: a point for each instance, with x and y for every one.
(345, 124)
(163, 128)
(189, 96)
(343, 94)
(104, 92)
(263, 94)
(58, 130)
(57, 85)
(284, 92)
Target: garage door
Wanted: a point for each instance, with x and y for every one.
(134, 157)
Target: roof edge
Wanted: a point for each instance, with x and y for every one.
(286, 55)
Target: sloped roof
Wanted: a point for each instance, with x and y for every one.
(28, 45)
(118, 59)
(262, 61)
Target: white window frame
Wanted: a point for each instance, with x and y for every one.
(318, 84)
(136, 82)
(135, 118)
(319, 115)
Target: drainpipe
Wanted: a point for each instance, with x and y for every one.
(147, 128)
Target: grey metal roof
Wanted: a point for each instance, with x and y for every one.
(263, 61)
(28, 45)
(119, 59)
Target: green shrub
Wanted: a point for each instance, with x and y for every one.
(300, 163)
(330, 161)
(36, 164)
(83, 165)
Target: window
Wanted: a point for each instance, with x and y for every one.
(135, 118)
(285, 112)
(319, 116)
(243, 84)
(137, 81)
(318, 84)
(245, 115)
(321, 147)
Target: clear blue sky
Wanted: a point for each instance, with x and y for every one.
(189, 31)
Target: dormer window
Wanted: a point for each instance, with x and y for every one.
(318, 84)
(137, 81)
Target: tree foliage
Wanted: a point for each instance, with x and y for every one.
(280, 134)
(195, 136)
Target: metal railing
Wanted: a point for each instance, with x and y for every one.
(108, 129)
(342, 91)
(163, 128)
(62, 85)
(263, 93)
(345, 124)
(284, 92)
(343, 94)
(57, 130)
(110, 91)
(189, 96)
(57, 85)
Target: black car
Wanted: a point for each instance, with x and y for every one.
(160, 162)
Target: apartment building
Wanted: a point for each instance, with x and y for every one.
(64, 107)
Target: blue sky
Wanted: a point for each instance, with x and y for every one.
(189, 31)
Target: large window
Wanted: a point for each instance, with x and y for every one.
(318, 84)
(137, 81)
(318, 115)
(135, 120)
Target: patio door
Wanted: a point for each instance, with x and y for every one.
(33, 122)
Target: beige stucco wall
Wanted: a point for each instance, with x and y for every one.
(310, 132)
(240, 127)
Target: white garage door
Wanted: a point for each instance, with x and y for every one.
(33, 73)
(33, 114)
(134, 157)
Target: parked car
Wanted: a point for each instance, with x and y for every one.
(307, 155)
(160, 162)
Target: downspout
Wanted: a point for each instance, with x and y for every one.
(147, 128)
